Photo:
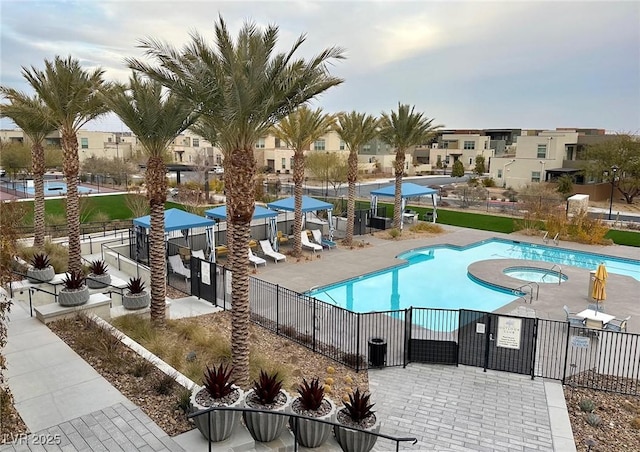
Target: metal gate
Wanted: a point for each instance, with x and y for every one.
(204, 279)
(497, 341)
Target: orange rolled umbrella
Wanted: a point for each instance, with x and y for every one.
(599, 284)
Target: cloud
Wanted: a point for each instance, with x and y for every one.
(528, 63)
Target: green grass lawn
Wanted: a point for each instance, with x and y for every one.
(116, 208)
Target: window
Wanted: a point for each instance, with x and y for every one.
(366, 147)
(319, 145)
(196, 142)
(535, 176)
(447, 160)
(278, 145)
(470, 161)
(218, 159)
(284, 163)
(469, 145)
(542, 151)
(291, 163)
(341, 145)
(109, 140)
(260, 144)
(499, 174)
(84, 143)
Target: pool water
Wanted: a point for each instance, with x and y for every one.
(54, 188)
(535, 275)
(436, 277)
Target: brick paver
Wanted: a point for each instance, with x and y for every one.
(115, 429)
(461, 408)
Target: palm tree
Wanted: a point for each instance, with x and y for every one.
(156, 120)
(402, 130)
(355, 129)
(298, 131)
(242, 89)
(71, 93)
(35, 120)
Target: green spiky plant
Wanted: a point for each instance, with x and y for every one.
(74, 280)
(358, 406)
(40, 261)
(218, 381)
(311, 394)
(267, 387)
(135, 286)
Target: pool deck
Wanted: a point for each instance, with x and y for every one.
(331, 266)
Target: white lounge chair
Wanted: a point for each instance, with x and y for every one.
(255, 260)
(618, 325)
(572, 318)
(269, 251)
(304, 239)
(326, 243)
(177, 267)
(199, 254)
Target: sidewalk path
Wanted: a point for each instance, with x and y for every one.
(57, 393)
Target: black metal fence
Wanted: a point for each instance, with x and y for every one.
(604, 360)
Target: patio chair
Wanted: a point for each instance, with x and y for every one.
(255, 260)
(594, 324)
(598, 307)
(617, 325)
(268, 250)
(176, 266)
(304, 239)
(572, 318)
(199, 254)
(282, 238)
(326, 243)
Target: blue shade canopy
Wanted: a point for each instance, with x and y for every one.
(176, 219)
(308, 204)
(409, 190)
(220, 213)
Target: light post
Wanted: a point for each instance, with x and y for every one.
(326, 180)
(504, 174)
(614, 170)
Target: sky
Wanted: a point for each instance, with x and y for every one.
(467, 64)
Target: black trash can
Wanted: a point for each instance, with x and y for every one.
(377, 352)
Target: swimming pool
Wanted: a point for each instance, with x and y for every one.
(436, 277)
(51, 188)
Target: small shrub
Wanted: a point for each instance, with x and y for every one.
(489, 182)
(218, 381)
(593, 420)
(135, 286)
(164, 385)
(267, 387)
(141, 368)
(73, 280)
(311, 394)
(394, 233)
(358, 406)
(353, 360)
(98, 267)
(635, 423)
(40, 261)
(100, 217)
(184, 400)
(587, 405)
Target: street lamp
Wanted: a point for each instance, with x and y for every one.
(614, 170)
(504, 174)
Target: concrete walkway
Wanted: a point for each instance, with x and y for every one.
(65, 403)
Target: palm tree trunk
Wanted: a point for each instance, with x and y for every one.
(240, 209)
(156, 192)
(298, 179)
(71, 166)
(37, 158)
(352, 177)
(397, 201)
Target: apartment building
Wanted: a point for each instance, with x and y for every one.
(90, 143)
(452, 147)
